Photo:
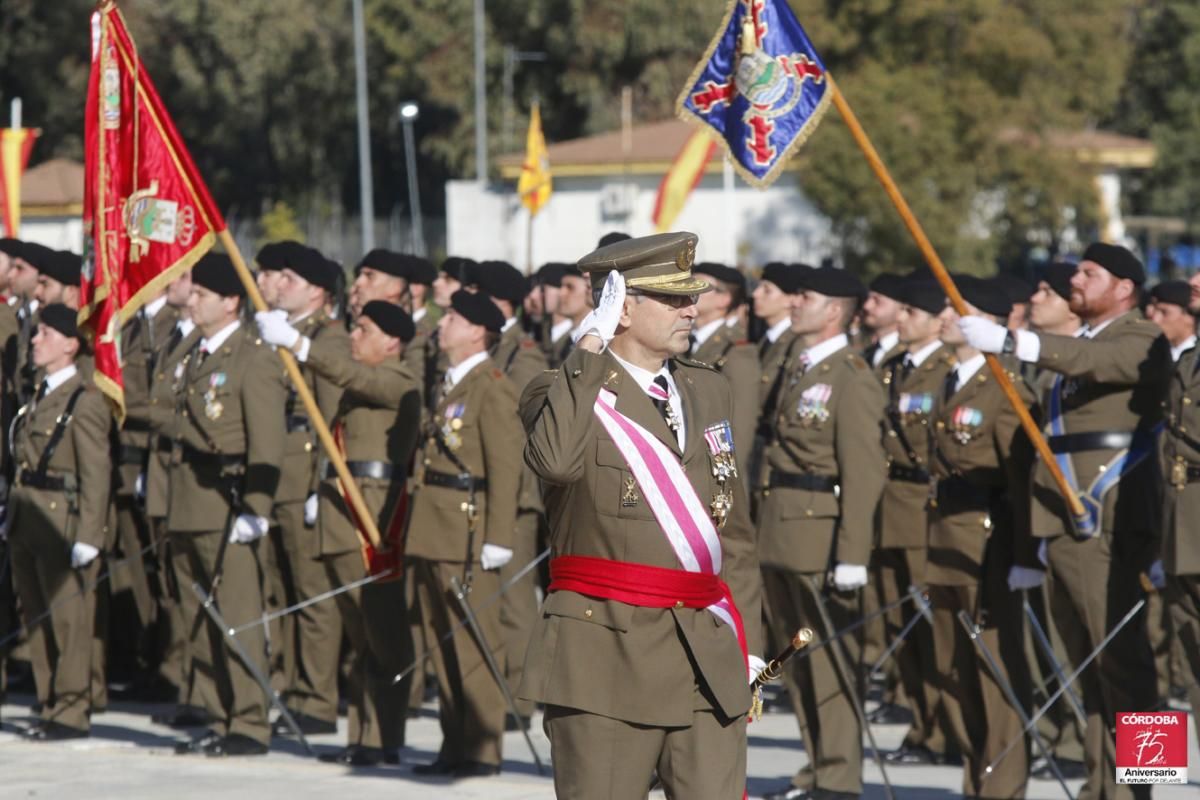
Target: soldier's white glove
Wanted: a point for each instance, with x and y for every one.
(247, 528)
(310, 510)
(274, 328)
(1157, 575)
(983, 334)
(83, 554)
(603, 319)
(847, 577)
(493, 556)
(755, 666)
(1024, 578)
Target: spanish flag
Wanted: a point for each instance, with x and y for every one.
(535, 184)
(686, 171)
(15, 146)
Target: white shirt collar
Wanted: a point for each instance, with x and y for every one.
(819, 352)
(777, 330)
(886, 343)
(1091, 333)
(967, 369)
(560, 329)
(644, 377)
(419, 314)
(458, 372)
(702, 335)
(152, 308)
(508, 323)
(1184, 346)
(731, 321)
(60, 377)
(918, 358)
(213, 343)
(301, 318)
(186, 326)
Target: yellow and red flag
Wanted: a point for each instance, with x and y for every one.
(15, 147)
(535, 184)
(147, 214)
(686, 171)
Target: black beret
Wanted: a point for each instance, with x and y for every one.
(459, 268)
(1177, 293)
(788, 277)
(1117, 260)
(215, 272)
(271, 255)
(61, 318)
(385, 261)
(64, 267)
(420, 271)
(1015, 288)
(834, 282)
(391, 319)
(925, 294)
(550, 274)
(985, 294)
(612, 238)
(313, 267)
(36, 255)
(11, 247)
(725, 274)
(1058, 277)
(478, 309)
(889, 284)
(501, 280)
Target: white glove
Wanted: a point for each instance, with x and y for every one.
(310, 510)
(247, 528)
(847, 577)
(983, 334)
(1024, 578)
(493, 556)
(83, 554)
(139, 486)
(1043, 553)
(1157, 575)
(603, 319)
(274, 328)
(756, 666)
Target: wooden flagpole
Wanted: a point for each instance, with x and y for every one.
(310, 403)
(943, 277)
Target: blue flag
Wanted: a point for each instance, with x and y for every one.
(760, 86)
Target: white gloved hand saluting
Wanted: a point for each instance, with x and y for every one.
(247, 528)
(604, 318)
(755, 666)
(493, 556)
(1024, 578)
(310, 510)
(983, 334)
(83, 554)
(847, 577)
(275, 329)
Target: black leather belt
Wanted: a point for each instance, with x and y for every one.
(1099, 440)
(1193, 474)
(379, 470)
(802, 480)
(136, 425)
(464, 483)
(298, 422)
(201, 458)
(162, 444)
(52, 483)
(131, 454)
(899, 472)
(959, 493)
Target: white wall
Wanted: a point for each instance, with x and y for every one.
(58, 233)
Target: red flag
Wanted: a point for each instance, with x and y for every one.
(147, 214)
(15, 146)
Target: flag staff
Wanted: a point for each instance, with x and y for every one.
(947, 283)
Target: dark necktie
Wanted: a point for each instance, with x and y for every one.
(691, 344)
(43, 390)
(660, 395)
(870, 353)
(951, 385)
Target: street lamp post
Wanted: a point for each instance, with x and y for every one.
(366, 190)
(408, 115)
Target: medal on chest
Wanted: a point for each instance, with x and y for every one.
(913, 406)
(813, 408)
(965, 423)
(719, 438)
(452, 425)
(213, 408)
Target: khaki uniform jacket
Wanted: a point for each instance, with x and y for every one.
(230, 405)
(490, 448)
(772, 360)
(10, 332)
(298, 478)
(520, 358)
(882, 369)
(82, 456)
(142, 342)
(607, 657)
(982, 490)
(728, 352)
(165, 391)
(379, 413)
(833, 437)
(1115, 383)
(1180, 451)
(906, 443)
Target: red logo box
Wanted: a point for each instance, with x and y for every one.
(1152, 747)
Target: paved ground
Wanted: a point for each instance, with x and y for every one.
(129, 757)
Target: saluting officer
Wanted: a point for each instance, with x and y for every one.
(376, 428)
(463, 518)
(225, 462)
(816, 521)
(58, 523)
(1104, 405)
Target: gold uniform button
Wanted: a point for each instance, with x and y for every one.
(588, 613)
(575, 373)
(808, 512)
(53, 505)
(941, 425)
(1187, 401)
(308, 447)
(679, 604)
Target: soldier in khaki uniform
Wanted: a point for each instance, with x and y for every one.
(978, 520)
(463, 518)
(616, 657)
(574, 304)
(9, 333)
(270, 260)
(225, 462)
(881, 316)
(1105, 404)
(24, 286)
(308, 639)
(376, 425)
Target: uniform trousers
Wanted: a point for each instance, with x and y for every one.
(1059, 728)
(1183, 598)
(519, 605)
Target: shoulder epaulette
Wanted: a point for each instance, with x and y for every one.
(691, 362)
(857, 361)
